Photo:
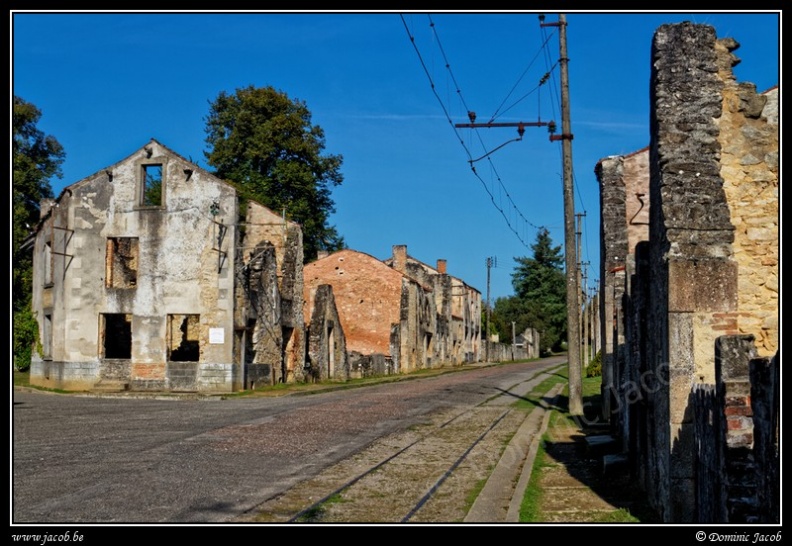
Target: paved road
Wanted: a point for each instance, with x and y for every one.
(123, 460)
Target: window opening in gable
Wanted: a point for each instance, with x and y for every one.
(48, 281)
(151, 195)
(46, 338)
(121, 262)
(116, 335)
(183, 337)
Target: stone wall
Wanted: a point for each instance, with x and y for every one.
(284, 359)
(694, 276)
(327, 354)
(706, 266)
(613, 256)
(129, 254)
(505, 352)
(397, 315)
(749, 135)
(526, 347)
(737, 441)
(367, 294)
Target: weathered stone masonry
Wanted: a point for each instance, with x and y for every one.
(327, 352)
(368, 296)
(699, 165)
(139, 275)
(396, 315)
(624, 201)
(708, 266)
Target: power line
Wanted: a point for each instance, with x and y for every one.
(471, 160)
(541, 82)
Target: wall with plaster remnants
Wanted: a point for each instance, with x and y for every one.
(136, 272)
(397, 315)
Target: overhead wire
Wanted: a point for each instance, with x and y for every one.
(502, 188)
(551, 70)
(542, 81)
(498, 193)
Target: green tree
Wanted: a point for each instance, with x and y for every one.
(36, 159)
(264, 142)
(507, 310)
(540, 290)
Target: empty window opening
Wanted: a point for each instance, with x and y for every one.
(330, 351)
(151, 194)
(46, 338)
(116, 334)
(183, 337)
(287, 352)
(48, 264)
(428, 348)
(121, 262)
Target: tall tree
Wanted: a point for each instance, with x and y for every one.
(540, 288)
(36, 159)
(264, 142)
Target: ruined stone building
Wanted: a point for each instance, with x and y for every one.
(624, 229)
(393, 316)
(689, 272)
(151, 274)
(458, 306)
(528, 342)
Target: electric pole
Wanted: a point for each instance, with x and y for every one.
(572, 290)
(595, 338)
(586, 325)
(580, 300)
(490, 262)
(514, 342)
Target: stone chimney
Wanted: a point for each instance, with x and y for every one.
(400, 258)
(45, 205)
(322, 254)
(441, 266)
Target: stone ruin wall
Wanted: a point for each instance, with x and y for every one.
(748, 138)
(713, 254)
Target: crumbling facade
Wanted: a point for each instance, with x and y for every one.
(395, 316)
(458, 306)
(143, 280)
(624, 223)
(702, 268)
(527, 344)
(327, 351)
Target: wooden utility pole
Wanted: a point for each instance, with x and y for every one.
(595, 335)
(586, 326)
(572, 289)
(580, 300)
(490, 262)
(514, 343)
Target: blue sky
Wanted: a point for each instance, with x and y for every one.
(387, 88)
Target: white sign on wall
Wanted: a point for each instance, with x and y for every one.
(216, 336)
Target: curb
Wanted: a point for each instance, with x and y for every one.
(499, 500)
(513, 515)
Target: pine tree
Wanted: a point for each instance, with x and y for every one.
(540, 291)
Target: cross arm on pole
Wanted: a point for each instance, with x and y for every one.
(521, 125)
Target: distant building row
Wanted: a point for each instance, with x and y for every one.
(152, 274)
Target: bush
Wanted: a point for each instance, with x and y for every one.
(594, 368)
(25, 338)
